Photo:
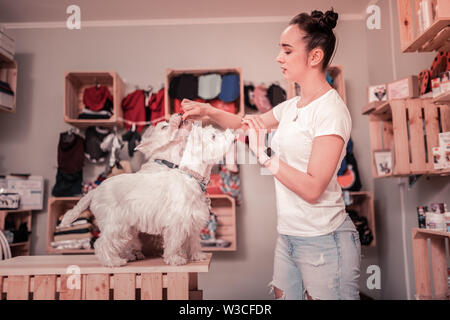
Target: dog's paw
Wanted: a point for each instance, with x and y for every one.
(128, 256)
(139, 255)
(175, 260)
(199, 256)
(115, 262)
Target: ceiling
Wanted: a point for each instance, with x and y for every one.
(26, 11)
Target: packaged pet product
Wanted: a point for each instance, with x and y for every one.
(9, 200)
(447, 155)
(404, 88)
(421, 214)
(445, 81)
(438, 207)
(439, 160)
(447, 221)
(436, 87)
(436, 221)
(444, 138)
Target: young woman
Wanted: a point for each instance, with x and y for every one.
(317, 254)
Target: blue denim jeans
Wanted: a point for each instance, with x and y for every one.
(327, 267)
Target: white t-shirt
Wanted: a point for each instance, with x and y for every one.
(292, 142)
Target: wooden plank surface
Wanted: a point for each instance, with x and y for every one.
(125, 286)
(178, 286)
(58, 264)
(421, 266)
(445, 117)
(97, 287)
(151, 286)
(400, 137)
(18, 288)
(432, 130)
(375, 141)
(44, 287)
(432, 232)
(439, 267)
(70, 287)
(416, 131)
(405, 22)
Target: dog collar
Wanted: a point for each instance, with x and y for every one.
(167, 163)
(203, 182)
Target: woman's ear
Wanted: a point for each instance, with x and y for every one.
(315, 57)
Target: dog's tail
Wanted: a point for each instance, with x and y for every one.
(82, 205)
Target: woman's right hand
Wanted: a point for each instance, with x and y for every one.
(194, 110)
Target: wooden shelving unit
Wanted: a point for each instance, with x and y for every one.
(76, 81)
(56, 208)
(436, 37)
(422, 270)
(17, 217)
(8, 73)
(409, 128)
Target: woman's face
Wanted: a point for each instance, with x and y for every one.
(293, 58)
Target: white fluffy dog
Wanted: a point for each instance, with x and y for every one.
(171, 202)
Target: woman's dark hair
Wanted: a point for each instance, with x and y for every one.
(318, 27)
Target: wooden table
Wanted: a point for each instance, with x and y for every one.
(81, 277)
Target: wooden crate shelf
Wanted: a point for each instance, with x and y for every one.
(172, 73)
(363, 203)
(409, 128)
(17, 217)
(370, 107)
(422, 270)
(50, 278)
(224, 207)
(56, 208)
(336, 72)
(435, 37)
(8, 73)
(76, 82)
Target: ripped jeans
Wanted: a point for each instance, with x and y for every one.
(327, 267)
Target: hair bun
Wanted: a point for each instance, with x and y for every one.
(326, 21)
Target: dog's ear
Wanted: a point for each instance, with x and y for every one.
(142, 146)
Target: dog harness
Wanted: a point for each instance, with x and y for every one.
(200, 180)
